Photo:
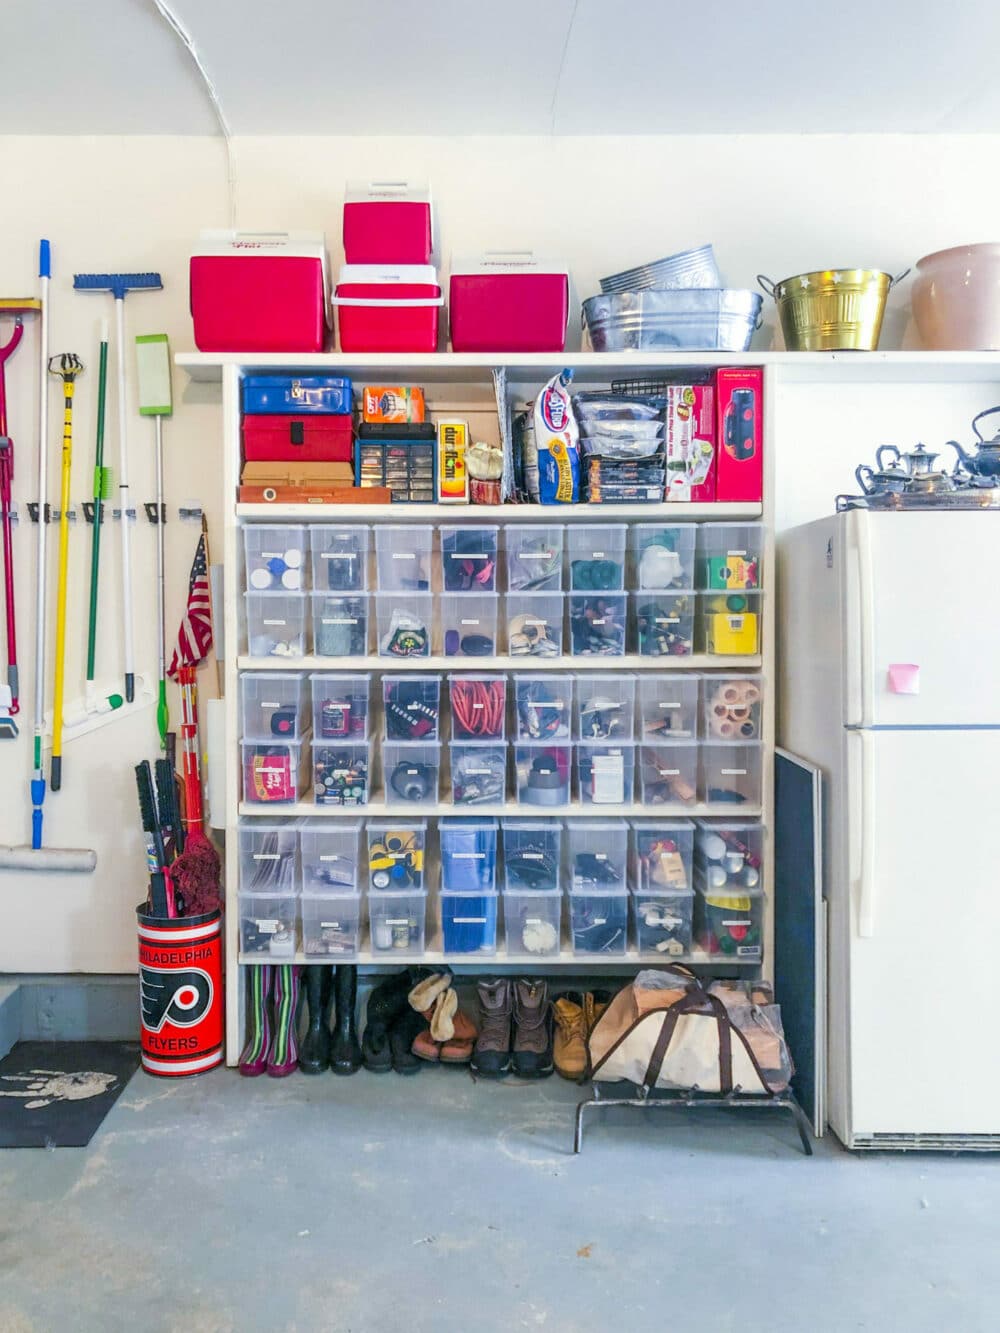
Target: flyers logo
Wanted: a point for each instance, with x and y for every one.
(181, 998)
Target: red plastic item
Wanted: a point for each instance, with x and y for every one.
(318, 438)
(387, 222)
(382, 309)
(260, 292)
(508, 301)
(739, 400)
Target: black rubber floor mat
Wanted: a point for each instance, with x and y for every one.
(54, 1094)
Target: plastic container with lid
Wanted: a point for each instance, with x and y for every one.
(605, 772)
(662, 854)
(411, 706)
(478, 706)
(733, 707)
(272, 773)
(411, 772)
(728, 925)
(469, 922)
(542, 772)
(597, 854)
(329, 851)
(664, 623)
(668, 706)
(341, 772)
(663, 555)
(469, 558)
(403, 557)
(605, 707)
(597, 624)
(468, 854)
(388, 222)
(396, 852)
(340, 706)
(468, 624)
(731, 773)
(397, 921)
(273, 705)
(668, 773)
(532, 854)
(599, 921)
(268, 924)
(340, 624)
(404, 624)
(543, 706)
(663, 922)
(269, 857)
(339, 557)
(532, 922)
(534, 624)
(730, 855)
(478, 772)
(730, 623)
(275, 556)
(388, 307)
(331, 925)
(729, 556)
(276, 624)
(508, 301)
(533, 556)
(596, 557)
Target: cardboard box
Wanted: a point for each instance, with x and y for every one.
(393, 404)
(305, 483)
(739, 425)
(690, 443)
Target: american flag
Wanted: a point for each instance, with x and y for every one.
(194, 638)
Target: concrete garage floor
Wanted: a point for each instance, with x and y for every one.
(376, 1204)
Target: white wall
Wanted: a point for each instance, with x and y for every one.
(777, 205)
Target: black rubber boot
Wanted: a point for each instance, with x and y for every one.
(314, 1049)
(401, 1035)
(345, 1049)
(385, 1004)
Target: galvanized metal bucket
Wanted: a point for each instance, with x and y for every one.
(832, 310)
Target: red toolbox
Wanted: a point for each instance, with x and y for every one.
(323, 438)
(382, 308)
(260, 292)
(739, 411)
(507, 301)
(387, 222)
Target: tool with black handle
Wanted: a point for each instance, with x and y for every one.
(161, 898)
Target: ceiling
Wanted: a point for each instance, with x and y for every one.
(438, 67)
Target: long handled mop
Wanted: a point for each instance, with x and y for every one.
(152, 353)
(66, 366)
(118, 284)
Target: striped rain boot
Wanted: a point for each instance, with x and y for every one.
(283, 1053)
(253, 1061)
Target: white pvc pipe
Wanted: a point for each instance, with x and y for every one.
(123, 500)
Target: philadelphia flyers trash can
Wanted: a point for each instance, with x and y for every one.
(180, 993)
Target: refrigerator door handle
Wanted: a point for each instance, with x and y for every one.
(863, 853)
(863, 606)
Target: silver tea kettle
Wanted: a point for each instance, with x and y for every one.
(923, 478)
(983, 466)
(885, 478)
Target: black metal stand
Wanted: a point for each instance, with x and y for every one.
(778, 1101)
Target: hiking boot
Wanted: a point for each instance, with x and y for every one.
(594, 1004)
(402, 1035)
(570, 1046)
(314, 1049)
(491, 1058)
(386, 1004)
(532, 1028)
(345, 1049)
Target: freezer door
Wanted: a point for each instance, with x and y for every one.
(921, 632)
(918, 944)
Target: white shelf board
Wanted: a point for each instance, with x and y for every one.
(529, 665)
(583, 513)
(584, 962)
(505, 809)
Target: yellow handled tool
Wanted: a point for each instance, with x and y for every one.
(67, 366)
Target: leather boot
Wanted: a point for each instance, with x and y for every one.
(314, 1049)
(570, 1046)
(345, 1049)
(385, 1005)
(491, 1058)
(283, 1052)
(532, 1028)
(253, 1061)
(402, 1035)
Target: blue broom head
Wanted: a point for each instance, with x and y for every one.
(117, 283)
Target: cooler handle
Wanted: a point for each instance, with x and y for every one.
(398, 304)
(510, 256)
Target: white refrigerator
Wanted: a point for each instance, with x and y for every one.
(889, 681)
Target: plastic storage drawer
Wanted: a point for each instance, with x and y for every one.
(340, 625)
(605, 772)
(469, 923)
(478, 707)
(268, 924)
(599, 922)
(276, 624)
(534, 623)
(469, 624)
(531, 854)
(331, 925)
(339, 557)
(730, 623)
(733, 707)
(405, 624)
(273, 706)
(340, 706)
(729, 926)
(469, 558)
(596, 557)
(396, 851)
(478, 772)
(605, 707)
(597, 854)
(663, 922)
(542, 773)
(341, 773)
(468, 855)
(663, 852)
(663, 555)
(664, 623)
(275, 556)
(729, 556)
(668, 706)
(411, 772)
(668, 773)
(403, 557)
(411, 707)
(731, 774)
(329, 853)
(729, 855)
(397, 922)
(543, 706)
(269, 858)
(532, 923)
(272, 774)
(533, 555)
(597, 624)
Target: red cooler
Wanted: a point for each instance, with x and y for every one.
(508, 301)
(387, 222)
(260, 292)
(388, 309)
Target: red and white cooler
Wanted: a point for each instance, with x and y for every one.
(260, 292)
(383, 308)
(508, 301)
(388, 222)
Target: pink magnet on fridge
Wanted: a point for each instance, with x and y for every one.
(904, 678)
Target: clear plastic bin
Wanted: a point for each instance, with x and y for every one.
(329, 853)
(411, 707)
(664, 921)
(339, 557)
(668, 707)
(534, 556)
(340, 706)
(663, 555)
(668, 773)
(534, 622)
(331, 925)
(729, 926)
(469, 624)
(268, 924)
(597, 624)
(599, 922)
(478, 707)
(729, 556)
(597, 854)
(662, 855)
(733, 707)
(276, 624)
(405, 625)
(403, 557)
(469, 558)
(731, 773)
(664, 623)
(531, 854)
(478, 772)
(411, 772)
(273, 774)
(469, 923)
(275, 557)
(729, 855)
(342, 773)
(605, 772)
(543, 771)
(596, 557)
(273, 706)
(605, 708)
(340, 625)
(269, 858)
(532, 923)
(468, 855)
(730, 623)
(397, 922)
(396, 852)
(543, 707)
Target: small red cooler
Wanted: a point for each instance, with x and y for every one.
(508, 301)
(260, 292)
(387, 222)
(323, 438)
(388, 309)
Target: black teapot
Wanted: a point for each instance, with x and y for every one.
(983, 466)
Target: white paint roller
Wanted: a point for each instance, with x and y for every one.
(56, 859)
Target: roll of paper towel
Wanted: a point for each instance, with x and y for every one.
(215, 749)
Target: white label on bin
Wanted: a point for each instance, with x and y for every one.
(275, 622)
(536, 555)
(600, 856)
(272, 555)
(668, 705)
(339, 555)
(533, 920)
(597, 555)
(268, 703)
(748, 951)
(602, 621)
(463, 555)
(268, 927)
(739, 553)
(468, 856)
(533, 856)
(267, 856)
(738, 921)
(530, 620)
(469, 920)
(600, 920)
(668, 620)
(733, 772)
(330, 858)
(397, 921)
(329, 925)
(477, 708)
(669, 772)
(404, 555)
(478, 772)
(469, 622)
(340, 620)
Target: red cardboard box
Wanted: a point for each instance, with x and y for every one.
(690, 443)
(739, 396)
(320, 438)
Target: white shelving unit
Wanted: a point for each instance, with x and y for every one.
(470, 377)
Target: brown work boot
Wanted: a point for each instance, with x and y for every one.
(457, 1049)
(570, 1045)
(594, 1004)
(532, 1028)
(492, 1055)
